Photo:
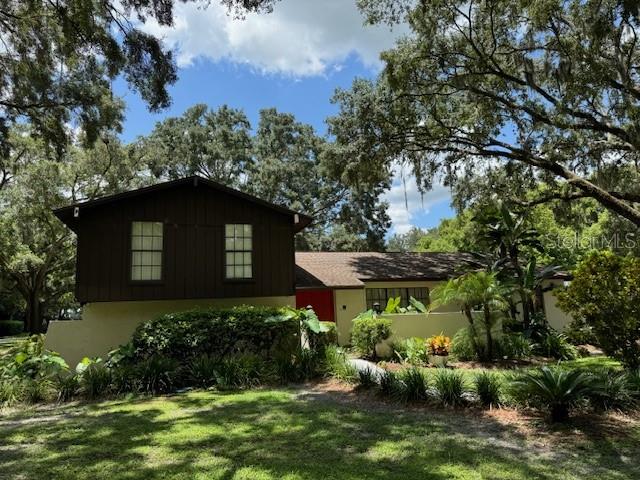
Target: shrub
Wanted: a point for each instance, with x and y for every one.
(633, 382)
(411, 350)
(368, 331)
(555, 345)
(307, 363)
(156, 374)
(554, 389)
(240, 371)
(124, 379)
(95, 377)
(462, 346)
(11, 391)
(262, 331)
(438, 345)
(514, 346)
(203, 371)
(488, 388)
(450, 386)
(605, 296)
(610, 390)
(9, 328)
(67, 386)
(413, 384)
(337, 365)
(36, 390)
(390, 385)
(367, 378)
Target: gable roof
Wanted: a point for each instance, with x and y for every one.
(352, 269)
(66, 214)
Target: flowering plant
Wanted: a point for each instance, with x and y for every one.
(438, 344)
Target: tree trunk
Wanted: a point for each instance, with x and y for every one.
(34, 313)
(487, 326)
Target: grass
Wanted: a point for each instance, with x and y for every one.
(288, 434)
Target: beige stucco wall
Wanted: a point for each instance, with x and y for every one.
(556, 317)
(106, 325)
(448, 319)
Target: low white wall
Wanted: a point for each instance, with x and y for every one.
(106, 325)
(556, 317)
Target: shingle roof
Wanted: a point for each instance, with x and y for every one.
(352, 269)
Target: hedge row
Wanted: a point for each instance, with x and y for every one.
(11, 327)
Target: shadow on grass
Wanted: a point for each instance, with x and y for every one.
(277, 434)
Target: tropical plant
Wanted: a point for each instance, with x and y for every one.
(411, 350)
(514, 346)
(37, 390)
(413, 384)
(67, 385)
(449, 386)
(488, 388)
(95, 377)
(391, 385)
(610, 390)
(475, 290)
(393, 305)
(368, 331)
(241, 371)
(157, 374)
(124, 378)
(11, 391)
(556, 389)
(29, 359)
(367, 378)
(203, 370)
(337, 365)
(438, 344)
(605, 296)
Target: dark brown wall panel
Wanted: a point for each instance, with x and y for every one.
(193, 256)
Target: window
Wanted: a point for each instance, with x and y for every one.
(146, 251)
(238, 245)
(382, 296)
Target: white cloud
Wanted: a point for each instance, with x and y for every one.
(406, 202)
(299, 38)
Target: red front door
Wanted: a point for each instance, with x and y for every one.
(321, 300)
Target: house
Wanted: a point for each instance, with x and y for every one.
(170, 247)
(341, 285)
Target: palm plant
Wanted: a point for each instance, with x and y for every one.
(556, 389)
(472, 290)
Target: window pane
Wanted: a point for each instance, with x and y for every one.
(246, 258)
(157, 229)
(136, 228)
(156, 243)
(156, 259)
(136, 273)
(156, 273)
(248, 244)
(147, 228)
(230, 271)
(238, 271)
(247, 272)
(136, 258)
(146, 243)
(247, 230)
(237, 258)
(228, 230)
(146, 273)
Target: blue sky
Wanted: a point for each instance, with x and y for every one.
(292, 59)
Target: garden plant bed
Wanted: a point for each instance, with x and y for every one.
(323, 430)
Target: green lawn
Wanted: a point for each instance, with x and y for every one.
(286, 434)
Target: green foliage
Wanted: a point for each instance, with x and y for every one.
(393, 305)
(554, 389)
(202, 370)
(413, 385)
(605, 296)
(239, 371)
(95, 377)
(36, 390)
(67, 386)
(157, 374)
(610, 390)
(450, 386)
(124, 378)
(455, 98)
(367, 378)
(514, 346)
(556, 345)
(390, 385)
(368, 331)
(28, 359)
(11, 391)
(411, 350)
(337, 365)
(463, 345)
(262, 331)
(9, 328)
(488, 387)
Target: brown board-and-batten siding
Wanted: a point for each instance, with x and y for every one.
(194, 218)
